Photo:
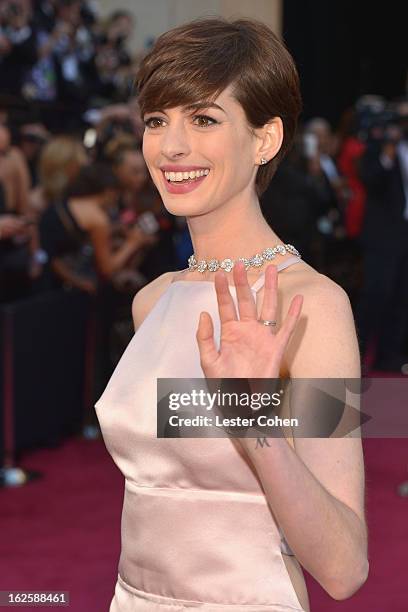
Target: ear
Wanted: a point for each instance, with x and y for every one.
(270, 138)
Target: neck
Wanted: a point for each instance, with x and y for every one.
(235, 229)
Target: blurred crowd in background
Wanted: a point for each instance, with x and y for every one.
(79, 212)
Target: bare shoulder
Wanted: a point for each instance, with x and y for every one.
(146, 298)
(304, 279)
(88, 215)
(324, 343)
(16, 158)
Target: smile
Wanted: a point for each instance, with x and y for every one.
(184, 182)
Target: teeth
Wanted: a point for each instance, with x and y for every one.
(180, 176)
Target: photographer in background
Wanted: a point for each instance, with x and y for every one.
(17, 44)
(112, 58)
(382, 312)
(298, 197)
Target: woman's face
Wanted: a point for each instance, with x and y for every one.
(131, 172)
(214, 141)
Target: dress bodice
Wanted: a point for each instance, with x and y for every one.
(196, 524)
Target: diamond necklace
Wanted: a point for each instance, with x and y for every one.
(255, 261)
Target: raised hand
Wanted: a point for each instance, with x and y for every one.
(248, 348)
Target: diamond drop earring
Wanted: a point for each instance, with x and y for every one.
(263, 161)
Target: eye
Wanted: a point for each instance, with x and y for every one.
(205, 120)
(150, 122)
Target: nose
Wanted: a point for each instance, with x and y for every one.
(175, 142)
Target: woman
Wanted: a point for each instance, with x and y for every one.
(208, 523)
(126, 159)
(59, 164)
(81, 218)
(141, 202)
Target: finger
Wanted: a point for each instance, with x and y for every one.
(245, 297)
(291, 320)
(226, 306)
(270, 297)
(205, 340)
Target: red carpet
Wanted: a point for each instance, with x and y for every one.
(63, 532)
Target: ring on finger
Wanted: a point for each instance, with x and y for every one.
(267, 322)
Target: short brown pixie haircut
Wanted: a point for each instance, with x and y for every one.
(196, 61)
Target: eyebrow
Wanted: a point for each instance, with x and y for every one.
(195, 106)
(203, 104)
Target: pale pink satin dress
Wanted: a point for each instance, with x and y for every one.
(197, 531)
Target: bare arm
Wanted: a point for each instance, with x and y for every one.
(108, 261)
(316, 490)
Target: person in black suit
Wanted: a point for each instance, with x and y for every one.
(298, 196)
(382, 311)
(18, 50)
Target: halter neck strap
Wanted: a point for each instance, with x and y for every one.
(261, 280)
